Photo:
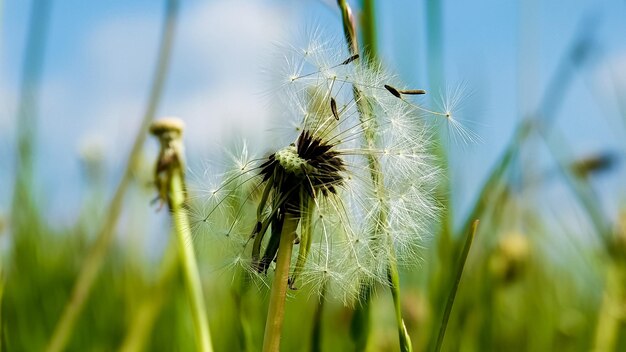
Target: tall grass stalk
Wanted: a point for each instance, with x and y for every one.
(23, 204)
(147, 313)
(2, 284)
(377, 179)
(276, 310)
(611, 315)
(577, 55)
(97, 253)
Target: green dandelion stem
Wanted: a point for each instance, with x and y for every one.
(276, 310)
(306, 230)
(394, 281)
(455, 285)
(188, 262)
(349, 28)
(365, 112)
(368, 23)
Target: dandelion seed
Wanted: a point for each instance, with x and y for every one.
(333, 107)
(451, 103)
(393, 91)
(350, 59)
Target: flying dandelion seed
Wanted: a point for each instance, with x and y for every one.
(451, 101)
(323, 178)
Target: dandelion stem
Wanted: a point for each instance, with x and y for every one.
(394, 281)
(95, 258)
(368, 23)
(365, 112)
(455, 285)
(188, 261)
(276, 310)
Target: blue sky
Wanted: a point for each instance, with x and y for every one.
(101, 54)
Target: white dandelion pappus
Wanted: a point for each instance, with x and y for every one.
(325, 178)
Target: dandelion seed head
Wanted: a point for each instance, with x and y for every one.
(355, 169)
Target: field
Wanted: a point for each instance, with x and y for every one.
(340, 176)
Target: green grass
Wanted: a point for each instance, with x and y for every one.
(514, 295)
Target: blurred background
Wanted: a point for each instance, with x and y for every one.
(543, 85)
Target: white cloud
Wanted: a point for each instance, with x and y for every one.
(213, 84)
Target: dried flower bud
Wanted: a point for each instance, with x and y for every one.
(167, 125)
(169, 131)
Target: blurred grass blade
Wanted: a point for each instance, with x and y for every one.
(24, 207)
(147, 313)
(610, 321)
(580, 188)
(95, 258)
(361, 319)
(577, 55)
(455, 285)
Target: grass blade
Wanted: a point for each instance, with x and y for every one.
(455, 285)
